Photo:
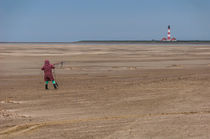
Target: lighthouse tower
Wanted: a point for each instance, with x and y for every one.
(169, 36)
(169, 33)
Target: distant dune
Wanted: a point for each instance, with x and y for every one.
(146, 41)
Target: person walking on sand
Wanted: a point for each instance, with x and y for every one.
(48, 76)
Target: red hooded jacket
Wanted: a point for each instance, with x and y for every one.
(47, 68)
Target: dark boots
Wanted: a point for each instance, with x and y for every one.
(55, 86)
(46, 86)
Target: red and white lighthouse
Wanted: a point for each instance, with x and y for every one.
(169, 33)
(169, 36)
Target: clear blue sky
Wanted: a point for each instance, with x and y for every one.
(73, 20)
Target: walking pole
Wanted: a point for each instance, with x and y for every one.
(61, 66)
(55, 78)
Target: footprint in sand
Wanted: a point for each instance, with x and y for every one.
(132, 68)
(175, 66)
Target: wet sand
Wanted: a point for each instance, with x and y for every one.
(109, 91)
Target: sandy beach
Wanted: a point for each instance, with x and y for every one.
(106, 91)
